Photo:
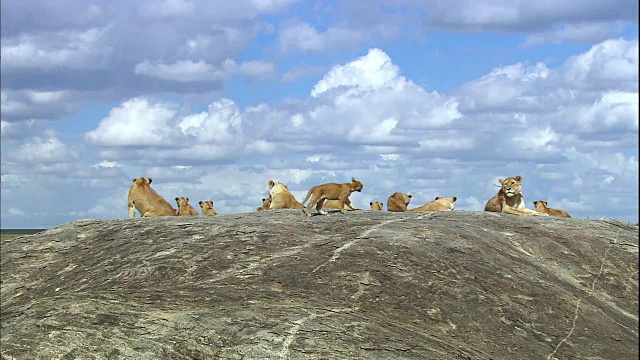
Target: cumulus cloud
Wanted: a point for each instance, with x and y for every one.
(46, 149)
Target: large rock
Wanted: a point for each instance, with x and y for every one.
(362, 285)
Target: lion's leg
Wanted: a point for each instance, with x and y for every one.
(342, 201)
(319, 206)
(511, 210)
(307, 210)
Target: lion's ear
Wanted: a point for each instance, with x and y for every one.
(545, 203)
(353, 179)
(518, 178)
(200, 202)
(187, 199)
(409, 196)
(177, 198)
(271, 183)
(134, 180)
(454, 199)
(501, 181)
(438, 197)
(149, 179)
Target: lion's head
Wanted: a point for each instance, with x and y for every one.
(511, 186)
(355, 185)
(141, 181)
(398, 202)
(182, 201)
(266, 204)
(376, 205)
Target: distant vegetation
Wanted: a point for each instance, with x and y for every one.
(7, 234)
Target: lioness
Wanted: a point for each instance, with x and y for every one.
(266, 204)
(376, 205)
(184, 208)
(330, 191)
(147, 201)
(335, 204)
(207, 207)
(439, 204)
(541, 206)
(281, 197)
(398, 202)
(509, 199)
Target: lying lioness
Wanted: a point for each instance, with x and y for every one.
(439, 204)
(509, 199)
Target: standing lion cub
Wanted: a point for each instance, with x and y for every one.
(330, 191)
(147, 201)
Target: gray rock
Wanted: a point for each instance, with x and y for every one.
(362, 285)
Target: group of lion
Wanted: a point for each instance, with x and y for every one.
(509, 199)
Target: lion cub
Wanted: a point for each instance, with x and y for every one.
(184, 208)
(335, 204)
(207, 207)
(266, 205)
(330, 191)
(439, 204)
(541, 206)
(148, 202)
(281, 197)
(398, 202)
(509, 199)
(376, 205)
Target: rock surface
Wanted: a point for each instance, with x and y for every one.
(362, 285)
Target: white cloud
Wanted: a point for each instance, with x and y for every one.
(137, 122)
(297, 35)
(72, 49)
(45, 149)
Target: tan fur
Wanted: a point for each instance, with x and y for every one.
(266, 204)
(184, 208)
(541, 206)
(281, 197)
(509, 199)
(207, 207)
(439, 204)
(330, 191)
(376, 205)
(147, 201)
(335, 204)
(398, 202)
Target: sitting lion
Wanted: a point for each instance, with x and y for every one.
(147, 201)
(281, 197)
(541, 206)
(509, 199)
(184, 208)
(398, 202)
(207, 207)
(376, 205)
(335, 204)
(439, 204)
(330, 191)
(266, 204)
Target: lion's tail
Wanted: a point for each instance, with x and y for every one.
(307, 197)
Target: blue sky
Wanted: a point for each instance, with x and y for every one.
(214, 98)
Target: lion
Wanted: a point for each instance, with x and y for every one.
(266, 204)
(281, 197)
(376, 205)
(335, 204)
(147, 201)
(509, 199)
(330, 191)
(541, 206)
(439, 204)
(184, 208)
(398, 202)
(207, 207)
